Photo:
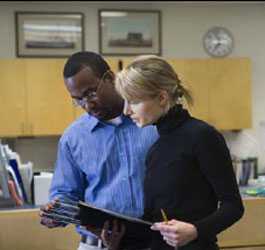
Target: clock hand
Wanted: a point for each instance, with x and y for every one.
(217, 45)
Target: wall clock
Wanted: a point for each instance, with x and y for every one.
(218, 42)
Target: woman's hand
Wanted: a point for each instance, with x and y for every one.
(111, 239)
(176, 233)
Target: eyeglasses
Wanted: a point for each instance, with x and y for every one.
(89, 95)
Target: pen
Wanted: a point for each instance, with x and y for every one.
(166, 220)
(164, 215)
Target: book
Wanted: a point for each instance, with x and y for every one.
(14, 165)
(4, 176)
(15, 185)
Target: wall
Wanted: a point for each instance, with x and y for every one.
(183, 25)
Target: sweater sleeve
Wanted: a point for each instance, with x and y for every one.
(215, 163)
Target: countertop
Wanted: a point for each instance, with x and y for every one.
(241, 188)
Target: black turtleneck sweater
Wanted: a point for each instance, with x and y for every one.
(190, 175)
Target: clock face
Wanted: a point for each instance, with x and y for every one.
(218, 42)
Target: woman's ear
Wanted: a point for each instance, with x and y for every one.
(163, 98)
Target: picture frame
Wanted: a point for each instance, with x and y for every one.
(129, 32)
(49, 34)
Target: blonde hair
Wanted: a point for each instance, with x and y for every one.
(146, 76)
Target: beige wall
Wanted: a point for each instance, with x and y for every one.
(183, 25)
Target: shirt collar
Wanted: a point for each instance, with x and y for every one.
(95, 123)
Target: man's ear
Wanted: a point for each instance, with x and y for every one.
(111, 75)
(163, 98)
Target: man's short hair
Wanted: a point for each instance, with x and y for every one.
(79, 60)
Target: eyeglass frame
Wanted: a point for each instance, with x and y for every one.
(89, 94)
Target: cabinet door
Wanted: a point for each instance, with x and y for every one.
(114, 65)
(50, 109)
(12, 97)
(229, 93)
(221, 89)
(192, 73)
(21, 222)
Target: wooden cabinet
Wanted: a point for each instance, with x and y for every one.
(221, 89)
(21, 230)
(49, 106)
(229, 86)
(35, 102)
(12, 97)
(192, 75)
(33, 97)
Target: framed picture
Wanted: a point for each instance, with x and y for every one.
(129, 32)
(48, 34)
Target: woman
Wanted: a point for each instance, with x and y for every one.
(189, 170)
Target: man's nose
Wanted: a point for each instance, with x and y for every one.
(89, 106)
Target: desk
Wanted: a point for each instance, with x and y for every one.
(249, 232)
(21, 230)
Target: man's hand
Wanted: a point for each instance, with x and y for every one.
(110, 238)
(48, 222)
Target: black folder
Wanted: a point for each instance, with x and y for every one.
(137, 233)
(94, 216)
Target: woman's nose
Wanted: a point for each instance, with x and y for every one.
(127, 109)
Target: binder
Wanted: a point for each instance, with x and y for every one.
(15, 184)
(4, 174)
(13, 158)
(14, 165)
(5, 198)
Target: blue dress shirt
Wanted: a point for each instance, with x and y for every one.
(103, 164)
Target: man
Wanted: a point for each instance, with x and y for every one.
(101, 155)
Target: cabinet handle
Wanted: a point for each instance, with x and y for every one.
(22, 126)
(31, 129)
